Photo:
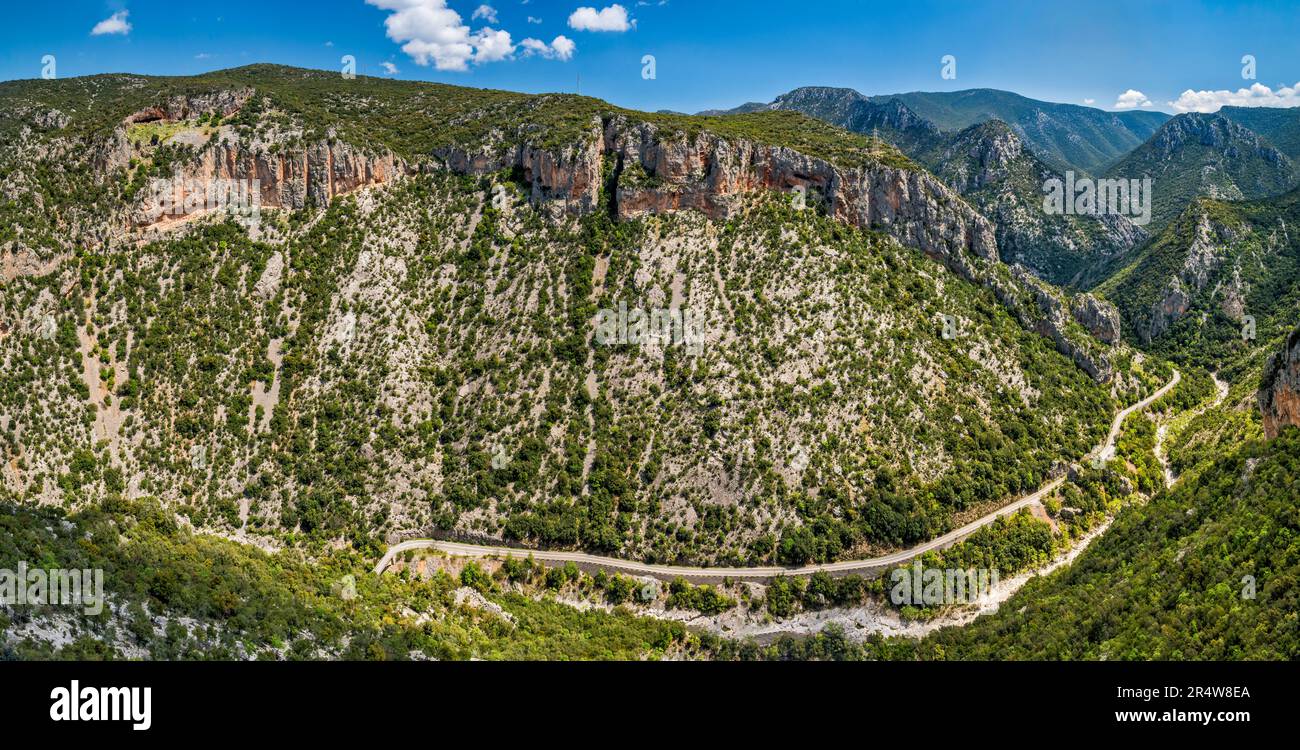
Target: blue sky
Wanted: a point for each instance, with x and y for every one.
(708, 53)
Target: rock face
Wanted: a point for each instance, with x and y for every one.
(1203, 258)
(1101, 318)
(568, 178)
(1054, 324)
(225, 103)
(1279, 390)
(294, 179)
(711, 174)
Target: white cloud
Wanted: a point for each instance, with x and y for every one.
(561, 48)
(202, 56)
(486, 12)
(491, 45)
(329, 44)
(429, 31)
(613, 18)
(1258, 95)
(1131, 99)
(114, 24)
(1090, 101)
(534, 19)
(389, 68)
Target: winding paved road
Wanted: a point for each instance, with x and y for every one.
(715, 575)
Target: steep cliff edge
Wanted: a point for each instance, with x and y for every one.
(186, 156)
(710, 174)
(1279, 390)
(310, 175)
(653, 169)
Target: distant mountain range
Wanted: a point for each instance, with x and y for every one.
(993, 164)
(1206, 155)
(997, 149)
(1066, 136)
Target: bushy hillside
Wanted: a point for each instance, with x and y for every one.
(174, 594)
(1210, 570)
(358, 377)
(1188, 292)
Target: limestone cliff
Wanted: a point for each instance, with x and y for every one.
(293, 179)
(646, 168)
(1279, 390)
(1101, 318)
(711, 174)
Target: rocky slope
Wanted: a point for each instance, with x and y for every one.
(1196, 287)
(990, 167)
(711, 175)
(1205, 155)
(656, 170)
(282, 168)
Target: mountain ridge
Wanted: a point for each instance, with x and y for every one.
(1067, 136)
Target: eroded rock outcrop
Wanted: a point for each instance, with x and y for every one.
(1101, 318)
(712, 174)
(1279, 390)
(183, 107)
(290, 179)
(567, 178)
(1203, 258)
(1054, 324)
